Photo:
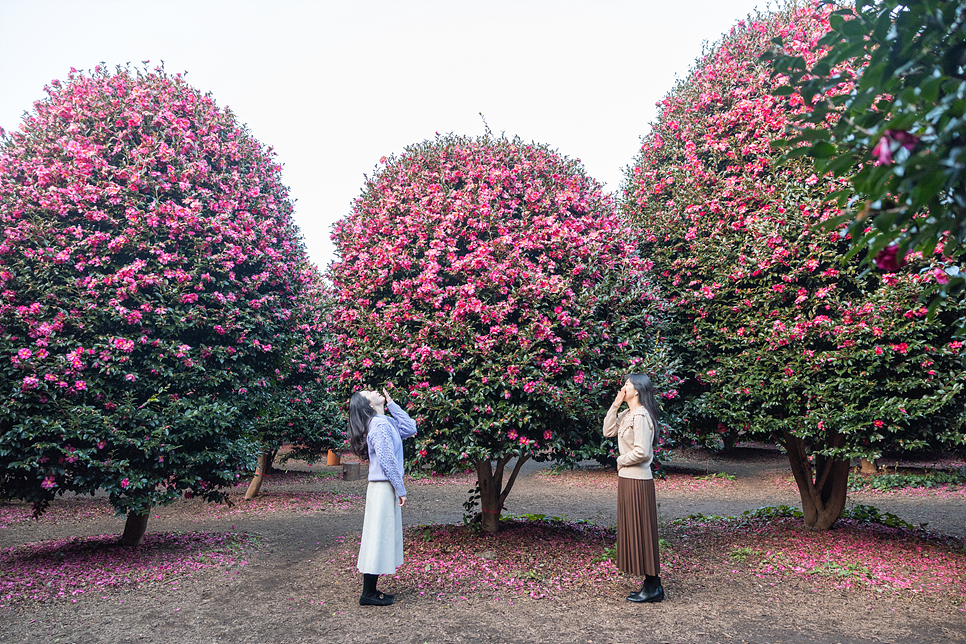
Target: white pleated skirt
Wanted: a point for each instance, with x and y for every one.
(381, 551)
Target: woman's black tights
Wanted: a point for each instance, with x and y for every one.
(369, 584)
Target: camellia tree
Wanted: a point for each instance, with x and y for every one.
(783, 339)
(149, 274)
(301, 408)
(492, 283)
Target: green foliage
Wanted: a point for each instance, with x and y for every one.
(896, 130)
(608, 554)
(864, 513)
(716, 475)
(739, 554)
(470, 505)
(886, 481)
(773, 512)
(870, 514)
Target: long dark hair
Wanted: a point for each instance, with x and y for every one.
(360, 413)
(645, 396)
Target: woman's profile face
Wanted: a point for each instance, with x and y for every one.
(630, 391)
(374, 397)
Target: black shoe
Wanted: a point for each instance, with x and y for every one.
(648, 595)
(379, 599)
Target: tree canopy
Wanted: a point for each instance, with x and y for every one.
(492, 281)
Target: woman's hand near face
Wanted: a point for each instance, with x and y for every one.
(385, 394)
(619, 399)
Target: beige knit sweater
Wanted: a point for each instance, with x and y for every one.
(634, 435)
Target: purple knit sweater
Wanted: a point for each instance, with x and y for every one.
(385, 437)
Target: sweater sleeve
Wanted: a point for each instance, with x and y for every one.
(381, 444)
(642, 451)
(611, 421)
(407, 426)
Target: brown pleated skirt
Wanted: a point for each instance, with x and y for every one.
(638, 552)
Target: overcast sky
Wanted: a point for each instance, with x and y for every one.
(333, 86)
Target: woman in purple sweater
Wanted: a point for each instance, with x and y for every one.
(377, 437)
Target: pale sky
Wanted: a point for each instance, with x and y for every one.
(334, 85)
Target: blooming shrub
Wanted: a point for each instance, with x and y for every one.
(781, 336)
(149, 273)
(302, 409)
(493, 283)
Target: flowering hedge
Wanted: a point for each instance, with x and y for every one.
(781, 336)
(149, 272)
(494, 283)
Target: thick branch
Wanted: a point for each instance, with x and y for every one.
(513, 476)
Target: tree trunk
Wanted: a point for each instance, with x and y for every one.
(134, 528)
(869, 467)
(823, 487)
(264, 467)
(492, 496)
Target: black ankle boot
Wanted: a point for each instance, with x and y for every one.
(651, 591)
(371, 596)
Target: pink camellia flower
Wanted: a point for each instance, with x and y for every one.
(940, 275)
(903, 138)
(49, 482)
(889, 260)
(130, 377)
(24, 354)
(547, 435)
(883, 151)
(80, 385)
(31, 382)
(125, 483)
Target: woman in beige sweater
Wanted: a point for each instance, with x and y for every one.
(636, 429)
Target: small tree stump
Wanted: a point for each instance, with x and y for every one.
(351, 472)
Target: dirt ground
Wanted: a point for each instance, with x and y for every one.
(287, 592)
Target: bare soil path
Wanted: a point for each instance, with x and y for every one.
(289, 592)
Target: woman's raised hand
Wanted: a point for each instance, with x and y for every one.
(619, 399)
(385, 394)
